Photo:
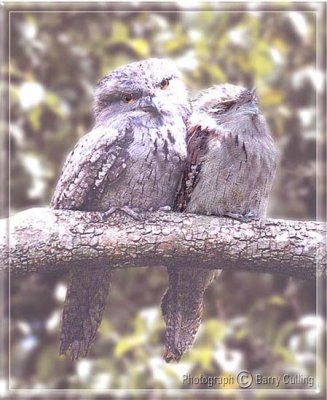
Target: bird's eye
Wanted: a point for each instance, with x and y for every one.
(127, 98)
(164, 84)
(224, 106)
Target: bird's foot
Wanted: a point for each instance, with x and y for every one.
(170, 355)
(105, 215)
(131, 212)
(248, 217)
(135, 213)
(165, 208)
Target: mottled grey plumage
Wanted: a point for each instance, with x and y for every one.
(231, 163)
(132, 160)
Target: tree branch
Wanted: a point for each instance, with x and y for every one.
(42, 239)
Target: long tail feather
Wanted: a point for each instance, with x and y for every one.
(182, 307)
(83, 310)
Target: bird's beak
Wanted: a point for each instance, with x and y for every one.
(254, 93)
(254, 110)
(149, 103)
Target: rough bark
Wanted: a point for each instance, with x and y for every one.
(42, 239)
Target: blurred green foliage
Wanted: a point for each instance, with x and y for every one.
(261, 323)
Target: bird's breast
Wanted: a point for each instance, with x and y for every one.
(235, 175)
(155, 163)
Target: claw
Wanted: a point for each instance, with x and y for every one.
(135, 214)
(108, 213)
(165, 208)
(248, 217)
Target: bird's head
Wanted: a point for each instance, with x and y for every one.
(151, 86)
(221, 103)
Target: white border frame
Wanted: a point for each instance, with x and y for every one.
(318, 10)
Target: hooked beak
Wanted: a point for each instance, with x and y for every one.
(149, 103)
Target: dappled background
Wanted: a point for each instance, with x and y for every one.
(266, 324)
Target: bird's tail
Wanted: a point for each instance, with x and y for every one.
(83, 309)
(182, 307)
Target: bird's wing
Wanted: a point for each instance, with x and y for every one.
(99, 157)
(197, 144)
